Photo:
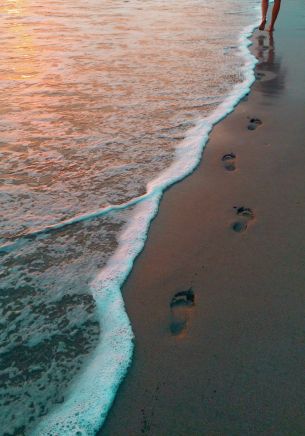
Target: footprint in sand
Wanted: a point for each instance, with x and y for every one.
(259, 75)
(254, 123)
(245, 215)
(180, 306)
(229, 161)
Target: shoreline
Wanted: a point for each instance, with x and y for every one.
(175, 385)
(79, 410)
(106, 287)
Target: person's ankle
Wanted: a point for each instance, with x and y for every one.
(263, 24)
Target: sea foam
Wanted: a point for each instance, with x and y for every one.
(92, 394)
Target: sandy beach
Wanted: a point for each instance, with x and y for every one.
(229, 360)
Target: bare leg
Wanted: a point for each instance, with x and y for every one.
(265, 4)
(275, 12)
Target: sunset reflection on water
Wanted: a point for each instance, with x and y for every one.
(17, 50)
(96, 94)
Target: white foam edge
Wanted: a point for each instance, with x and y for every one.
(92, 394)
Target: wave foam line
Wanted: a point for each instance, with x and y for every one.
(12, 243)
(91, 396)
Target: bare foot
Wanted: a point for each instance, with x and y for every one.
(270, 29)
(262, 25)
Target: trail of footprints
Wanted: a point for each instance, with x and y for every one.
(245, 214)
(182, 303)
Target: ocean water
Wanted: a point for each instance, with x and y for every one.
(104, 104)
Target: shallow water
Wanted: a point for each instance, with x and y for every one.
(96, 96)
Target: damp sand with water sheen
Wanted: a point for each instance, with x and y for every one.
(96, 100)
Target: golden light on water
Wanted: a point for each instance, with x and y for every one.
(13, 6)
(19, 50)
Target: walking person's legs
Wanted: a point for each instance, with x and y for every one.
(275, 12)
(265, 4)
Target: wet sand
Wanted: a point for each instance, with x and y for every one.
(228, 357)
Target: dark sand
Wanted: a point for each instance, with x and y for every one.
(238, 366)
